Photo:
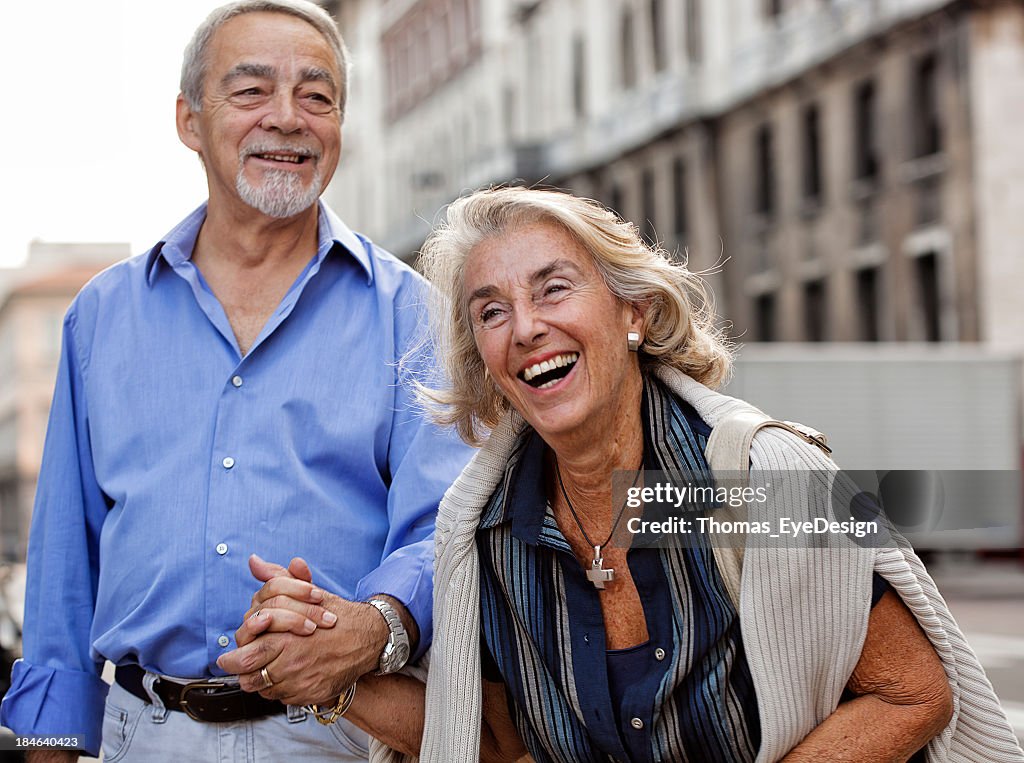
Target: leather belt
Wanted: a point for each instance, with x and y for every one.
(200, 700)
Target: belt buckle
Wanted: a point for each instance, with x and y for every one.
(206, 689)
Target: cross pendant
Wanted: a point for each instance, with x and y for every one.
(597, 574)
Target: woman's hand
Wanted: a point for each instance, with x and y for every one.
(903, 698)
(288, 602)
(499, 739)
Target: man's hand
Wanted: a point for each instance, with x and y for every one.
(306, 667)
(51, 756)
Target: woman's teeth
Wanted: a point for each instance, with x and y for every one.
(560, 365)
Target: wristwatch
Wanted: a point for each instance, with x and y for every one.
(396, 651)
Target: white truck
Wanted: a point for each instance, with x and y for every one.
(952, 413)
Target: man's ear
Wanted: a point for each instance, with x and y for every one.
(185, 119)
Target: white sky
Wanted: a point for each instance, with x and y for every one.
(87, 128)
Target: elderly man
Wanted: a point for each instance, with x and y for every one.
(243, 388)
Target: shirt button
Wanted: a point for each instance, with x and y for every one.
(228, 462)
(222, 548)
(236, 380)
(223, 641)
(636, 723)
(659, 654)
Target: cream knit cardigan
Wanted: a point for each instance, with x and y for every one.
(801, 650)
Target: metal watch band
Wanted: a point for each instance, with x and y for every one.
(396, 651)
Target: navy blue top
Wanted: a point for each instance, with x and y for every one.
(543, 624)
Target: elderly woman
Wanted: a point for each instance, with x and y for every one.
(574, 351)
(586, 352)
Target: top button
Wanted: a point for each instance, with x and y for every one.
(222, 548)
(236, 380)
(228, 462)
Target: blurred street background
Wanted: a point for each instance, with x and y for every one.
(850, 174)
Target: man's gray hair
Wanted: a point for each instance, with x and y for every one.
(195, 63)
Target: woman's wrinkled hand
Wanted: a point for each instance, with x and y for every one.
(288, 602)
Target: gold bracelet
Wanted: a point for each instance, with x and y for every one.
(327, 717)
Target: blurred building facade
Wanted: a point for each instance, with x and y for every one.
(33, 300)
(857, 162)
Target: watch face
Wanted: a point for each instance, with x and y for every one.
(395, 659)
(400, 656)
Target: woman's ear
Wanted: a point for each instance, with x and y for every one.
(638, 316)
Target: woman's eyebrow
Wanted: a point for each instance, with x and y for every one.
(536, 277)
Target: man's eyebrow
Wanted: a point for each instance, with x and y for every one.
(265, 71)
(318, 74)
(262, 71)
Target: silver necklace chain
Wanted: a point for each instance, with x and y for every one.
(618, 517)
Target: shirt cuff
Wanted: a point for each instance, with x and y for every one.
(405, 579)
(51, 702)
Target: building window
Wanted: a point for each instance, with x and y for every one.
(680, 220)
(657, 18)
(579, 69)
(627, 50)
(866, 155)
(509, 111)
(425, 47)
(814, 310)
(925, 99)
(692, 20)
(765, 187)
(764, 317)
(473, 24)
(616, 200)
(926, 270)
(812, 153)
(868, 304)
(459, 30)
(647, 202)
(439, 48)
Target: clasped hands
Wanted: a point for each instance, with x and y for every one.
(312, 643)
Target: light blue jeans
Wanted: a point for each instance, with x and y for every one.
(134, 730)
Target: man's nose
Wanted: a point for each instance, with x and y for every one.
(284, 115)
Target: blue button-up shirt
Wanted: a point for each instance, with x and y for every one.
(170, 458)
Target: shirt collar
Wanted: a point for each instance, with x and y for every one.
(177, 246)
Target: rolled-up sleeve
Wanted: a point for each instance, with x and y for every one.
(56, 688)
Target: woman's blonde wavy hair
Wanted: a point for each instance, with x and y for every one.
(678, 330)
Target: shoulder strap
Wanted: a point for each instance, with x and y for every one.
(728, 450)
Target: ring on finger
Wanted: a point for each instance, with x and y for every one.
(267, 681)
(255, 614)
